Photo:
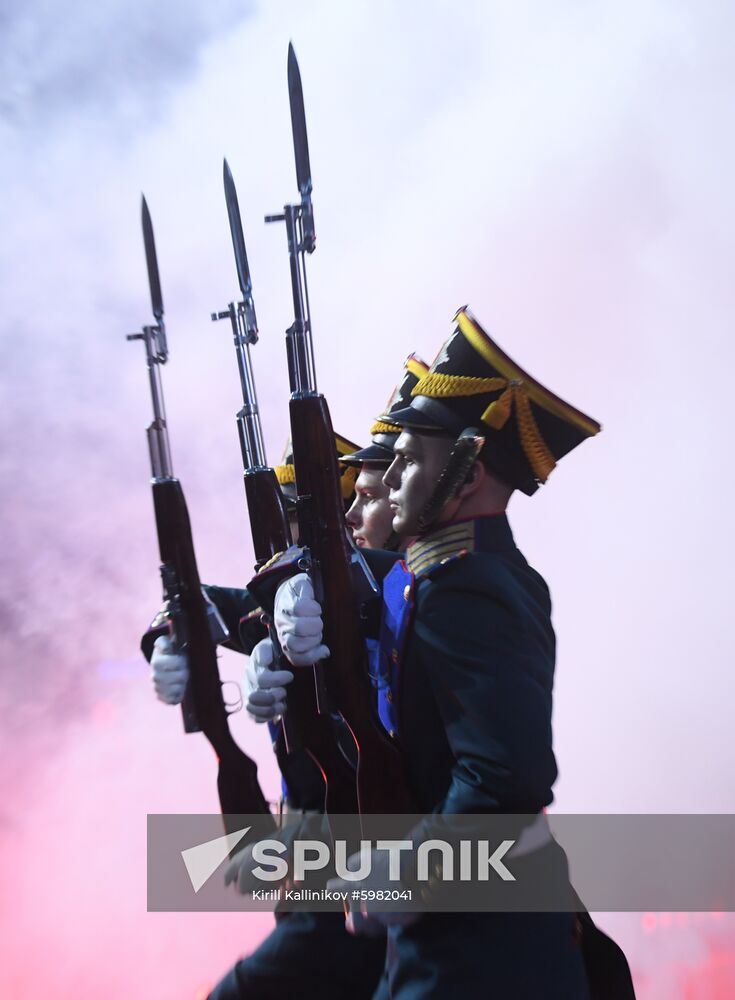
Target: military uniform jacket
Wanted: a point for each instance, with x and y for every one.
(467, 663)
(467, 657)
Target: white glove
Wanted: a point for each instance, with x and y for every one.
(298, 621)
(266, 687)
(170, 671)
(365, 919)
(239, 872)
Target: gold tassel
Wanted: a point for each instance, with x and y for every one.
(497, 413)
(437, 386)
(539, 457)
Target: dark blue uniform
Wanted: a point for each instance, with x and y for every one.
(467, 654)
(468, 660)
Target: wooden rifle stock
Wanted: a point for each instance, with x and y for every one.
(204, 707)
(303, 727)
(380, 780)
(267, 513)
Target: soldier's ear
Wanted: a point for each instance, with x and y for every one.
(473, 481)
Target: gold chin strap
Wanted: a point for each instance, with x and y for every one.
(438, 386)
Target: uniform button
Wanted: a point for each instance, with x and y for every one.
(407, 592)
(394, 655)
(392, 733)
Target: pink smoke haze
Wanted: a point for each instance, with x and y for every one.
(566, 169)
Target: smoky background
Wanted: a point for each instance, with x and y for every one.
(565, 169)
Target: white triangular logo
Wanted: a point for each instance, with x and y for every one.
(203, 860)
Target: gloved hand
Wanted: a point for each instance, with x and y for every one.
(239, 872)
(266, 687)
(170, 671)
(298, 620)
(365, 917)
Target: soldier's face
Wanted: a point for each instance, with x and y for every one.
(418, 463)
(370, 516)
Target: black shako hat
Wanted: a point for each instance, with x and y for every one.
(384, 433)
(473, 383)
(286, 472)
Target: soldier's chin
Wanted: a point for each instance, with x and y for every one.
(400, 523)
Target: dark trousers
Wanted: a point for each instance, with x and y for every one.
(308, 955)
(486, 956)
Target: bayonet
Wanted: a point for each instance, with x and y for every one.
(244, 333)
(154, 281)
(301, 240)
(301, 148)
(156, 352)
(268, 519)
(238, 240)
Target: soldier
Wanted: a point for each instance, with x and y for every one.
(305, 948)
(468, 649)
(311, 954)
(370, 518)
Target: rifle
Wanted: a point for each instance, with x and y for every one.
(203, 707)
(269, 525)
(342, 681)
(303, 727)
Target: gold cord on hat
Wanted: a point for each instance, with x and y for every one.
(381, 427)
(437, 386)
(285, 474)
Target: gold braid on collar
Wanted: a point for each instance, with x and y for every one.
(440, 546)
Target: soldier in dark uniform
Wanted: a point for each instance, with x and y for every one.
(309, 954)
(370, 518)
(468, 651)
